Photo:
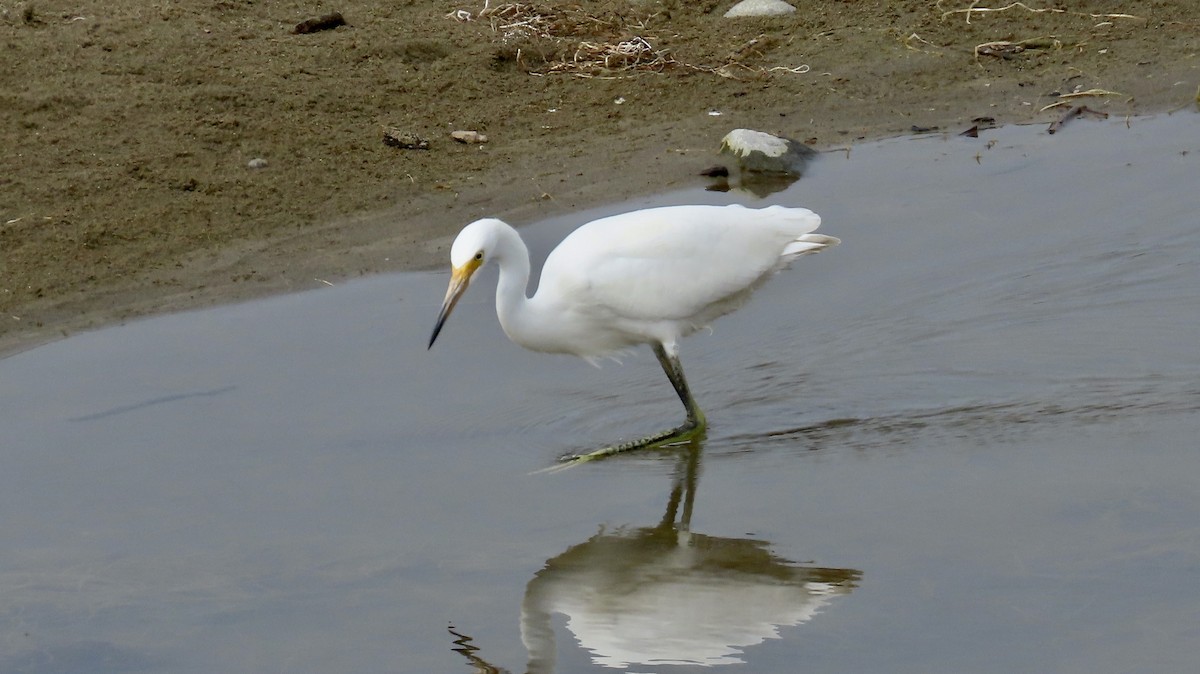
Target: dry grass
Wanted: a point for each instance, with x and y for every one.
(1010, 48)
(601, 59)
(597, 46)
(511, 21)
(1063, 99)
(516, 22)
(974, 8)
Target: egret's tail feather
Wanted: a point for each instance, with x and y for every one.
(809, 243)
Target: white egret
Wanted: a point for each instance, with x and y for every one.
(651, 277)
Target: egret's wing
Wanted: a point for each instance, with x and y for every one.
(674, 263)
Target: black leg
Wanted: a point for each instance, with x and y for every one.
(694, 425)
(674, 370)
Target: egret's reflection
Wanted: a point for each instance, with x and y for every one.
(664, 595)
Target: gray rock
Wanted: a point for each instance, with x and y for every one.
(468, 137)
(759, 8)
(765, 164)
(758, 152)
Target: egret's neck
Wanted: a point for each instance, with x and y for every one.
(512, 304)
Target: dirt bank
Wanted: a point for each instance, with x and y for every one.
(129, 126)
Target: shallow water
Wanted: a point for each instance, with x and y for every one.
(964, 440)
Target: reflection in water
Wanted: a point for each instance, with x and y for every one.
(663, 595)
(464, 646)
(761, 185)
(756, 173)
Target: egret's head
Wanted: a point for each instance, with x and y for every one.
(472, 248)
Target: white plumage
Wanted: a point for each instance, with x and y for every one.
(651, 276)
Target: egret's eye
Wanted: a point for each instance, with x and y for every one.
(479, 256)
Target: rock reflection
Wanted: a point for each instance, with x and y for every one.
(664, 595)
(764, 164)
(760, 185)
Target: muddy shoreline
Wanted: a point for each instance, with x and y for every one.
(127, 189)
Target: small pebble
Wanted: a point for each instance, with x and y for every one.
(470, 137)
(326, 22)
(404, 139)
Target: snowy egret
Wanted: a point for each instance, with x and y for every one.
(651, 277)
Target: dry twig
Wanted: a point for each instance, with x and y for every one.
(973, 9)
(1005, 49)
(1074, 112)
(1062, 98)
(908, 44)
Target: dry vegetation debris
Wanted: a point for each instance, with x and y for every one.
(974, 8)
(594, 42)
(1052, 26)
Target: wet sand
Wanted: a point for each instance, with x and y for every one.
(126, 188)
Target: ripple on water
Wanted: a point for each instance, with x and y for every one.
(1077, 404)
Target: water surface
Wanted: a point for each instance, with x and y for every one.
(964, 440)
